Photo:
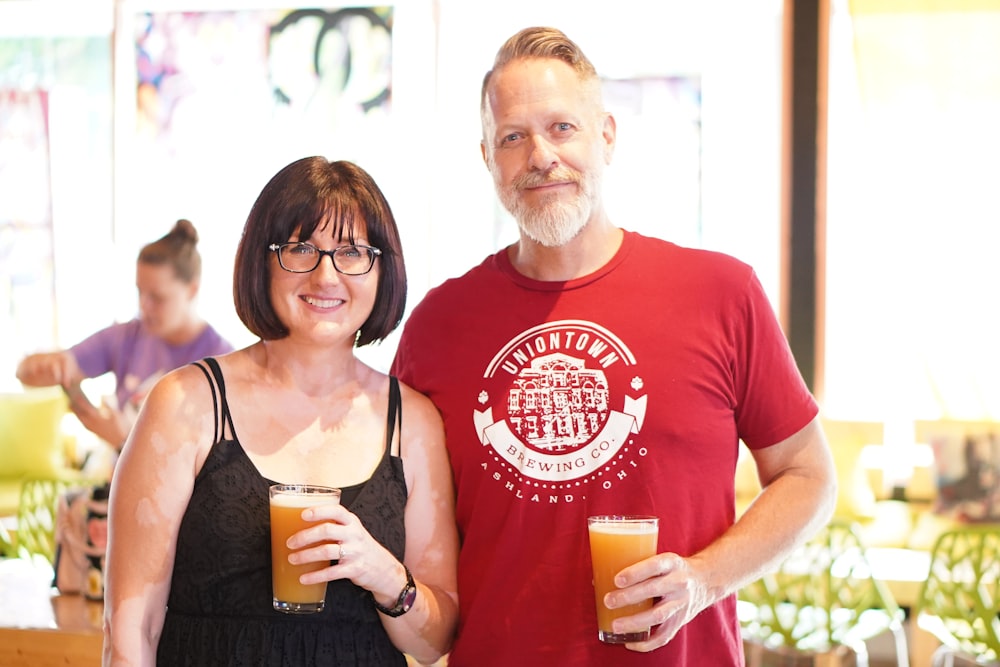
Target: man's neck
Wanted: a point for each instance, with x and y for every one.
(587, 252)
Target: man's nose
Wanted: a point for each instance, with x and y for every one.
(543, 154)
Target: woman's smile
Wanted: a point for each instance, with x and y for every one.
(322, 303)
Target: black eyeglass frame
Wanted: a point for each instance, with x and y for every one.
(373, 254)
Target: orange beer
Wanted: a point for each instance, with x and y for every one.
(287, 503)
(615, 543)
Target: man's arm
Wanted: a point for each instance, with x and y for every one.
(799, 490)
(798, 495)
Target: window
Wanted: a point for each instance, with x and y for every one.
(913, 222)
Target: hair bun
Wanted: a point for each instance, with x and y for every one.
(185, 228)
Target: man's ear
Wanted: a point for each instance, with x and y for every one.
(610, 134)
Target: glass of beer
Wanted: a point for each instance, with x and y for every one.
(287, 503)
(615, 543)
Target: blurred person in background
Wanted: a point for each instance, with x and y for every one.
(168, 333)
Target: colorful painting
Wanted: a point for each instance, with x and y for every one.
(225, 98)
(314, 69)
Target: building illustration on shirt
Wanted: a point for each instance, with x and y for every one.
(557, 403)
(552, 412)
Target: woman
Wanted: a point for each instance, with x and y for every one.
(319, 271)
(167, 334)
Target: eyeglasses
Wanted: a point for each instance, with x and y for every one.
(351, 260)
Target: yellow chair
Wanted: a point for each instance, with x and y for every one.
(960, 600)
(30, 440)
(31, 449)
(822, 597)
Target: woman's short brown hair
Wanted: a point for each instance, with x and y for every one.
(305, 195)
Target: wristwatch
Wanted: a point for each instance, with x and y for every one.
(405, 601)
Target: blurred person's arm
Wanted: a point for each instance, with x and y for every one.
(104, 421)
(46, 369)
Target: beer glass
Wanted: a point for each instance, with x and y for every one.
(615, 543)
(287, 503)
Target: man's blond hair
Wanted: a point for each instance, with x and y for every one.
(542, 42)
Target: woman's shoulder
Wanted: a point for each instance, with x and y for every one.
(420, 415)
(414, 400)
(183, 387)
(176, 417)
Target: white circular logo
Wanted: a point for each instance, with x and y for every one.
(549, 410)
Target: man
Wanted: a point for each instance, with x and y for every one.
(587, 370)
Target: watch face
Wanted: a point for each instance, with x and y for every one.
(405, 601)
(409, 598)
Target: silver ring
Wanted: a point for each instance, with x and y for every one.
(343, 552)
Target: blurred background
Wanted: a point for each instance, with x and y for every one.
(118, 117)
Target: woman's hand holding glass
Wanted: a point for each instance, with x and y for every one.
(339, 538)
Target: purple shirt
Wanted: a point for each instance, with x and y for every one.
(138, 358)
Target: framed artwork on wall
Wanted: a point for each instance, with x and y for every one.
(210, 104)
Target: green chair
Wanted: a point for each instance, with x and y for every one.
(960, 600)
(823, 596)
(8, 549)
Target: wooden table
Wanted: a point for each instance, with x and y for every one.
(41, 628)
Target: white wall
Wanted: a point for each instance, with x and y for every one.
(430, 164)
(733, 45)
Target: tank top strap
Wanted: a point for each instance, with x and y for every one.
(394, 419)
(224, 419)
(215, 399)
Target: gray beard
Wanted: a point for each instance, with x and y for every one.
(552, 224)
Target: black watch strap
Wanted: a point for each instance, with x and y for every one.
(405, 601)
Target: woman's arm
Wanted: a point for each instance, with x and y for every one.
(150, 490)
(426, 631)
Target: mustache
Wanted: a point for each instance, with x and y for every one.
(557, 175)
